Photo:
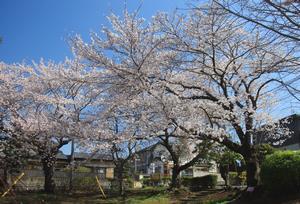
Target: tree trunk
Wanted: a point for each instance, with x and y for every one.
(5, 177)
(48, 168)
(175, 181)
(121, 189)
(120, 180)
(253, 170)
(224, 171)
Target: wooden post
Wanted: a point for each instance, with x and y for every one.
(14, 183)
(99, 185)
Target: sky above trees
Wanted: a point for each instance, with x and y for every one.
(35, 29)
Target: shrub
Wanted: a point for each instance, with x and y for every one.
(237, 178)
(198, 183)
(82, 169)
(129, 182)
(146, 181)
(209, 181)
(232, 178)
(186, 181)
(87, 184)
(280, 172)
(242, 178)
(262, 150)
(166, 180)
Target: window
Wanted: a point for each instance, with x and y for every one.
(101, 172)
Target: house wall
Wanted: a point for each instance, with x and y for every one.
(149, 163)
(198, 172)
(291, 147)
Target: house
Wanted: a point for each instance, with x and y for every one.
(155, 160)
(151, 160)
(292, 142)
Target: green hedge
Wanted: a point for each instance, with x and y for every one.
(280, 172)
(86, 184)
(199, 183)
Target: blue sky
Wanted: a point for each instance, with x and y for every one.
(34, 29)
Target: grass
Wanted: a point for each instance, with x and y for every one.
(155, 199)
(51, 199)
(144, 196)
(134, 196)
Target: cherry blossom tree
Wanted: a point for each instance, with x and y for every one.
(118, 135)
(161, 123)
(227, 71)
(14, 149)
(49, 104)
(207, 60)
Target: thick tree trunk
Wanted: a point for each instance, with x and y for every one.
(253, 170)
(48, 168)
(175, 180)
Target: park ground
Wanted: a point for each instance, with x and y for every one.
(147, 196)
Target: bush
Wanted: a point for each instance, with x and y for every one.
(186, 181)
(209, 181)
(82, 169)
(232, 176)
(262, 150)
(166, 180)
(280, 172)
(129, 182)
(87, 184)
(237, 178)
(198, 183)
(146, 181)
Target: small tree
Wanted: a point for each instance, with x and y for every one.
(227, 160)
(183, 152)
(121, 133)
(121, 161)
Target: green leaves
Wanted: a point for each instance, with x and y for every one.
(280, 172)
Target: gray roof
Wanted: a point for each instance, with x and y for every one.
(61, 155)
(84, 156)
(293, 125)
(97, 156)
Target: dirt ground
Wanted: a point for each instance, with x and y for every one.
(150, 197)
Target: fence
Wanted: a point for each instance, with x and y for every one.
(33, 180)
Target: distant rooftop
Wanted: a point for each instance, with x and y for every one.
(83, 156)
